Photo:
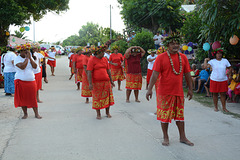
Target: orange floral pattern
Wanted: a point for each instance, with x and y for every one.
(102, 95)
(170, 107)
(85, 86)
(134, 81)
(117, 74)
(78, 76)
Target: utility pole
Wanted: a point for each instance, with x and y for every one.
(110, 21)
(33, 31)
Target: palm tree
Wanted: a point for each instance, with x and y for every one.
(19, 34)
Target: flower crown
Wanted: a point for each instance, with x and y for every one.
(151, 51)
(161, 50)
(115, 47)
(173, 37)
(97, 50)
(135, 50)
(218, 50)
(23, 47)
(79, 49)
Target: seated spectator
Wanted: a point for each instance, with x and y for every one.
(234, 79)
(194, 73)
(207, 87)
(202, 78)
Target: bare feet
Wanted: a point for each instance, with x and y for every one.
(109, 116)
(41, 89)
(165, 142)
(40, 101)
(45, 80)
(78, 89)
(216, 109)
(25, 117)
(187, 142)
(127, 101)
(87, 100)
(99, 117)
(120, 89)
(155, 113)
(53, 74)
(38, 117)
(225, 110)
(137, 101)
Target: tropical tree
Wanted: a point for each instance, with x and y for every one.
(19, 12)
(220, 22)
(152, 14)
(19, 34)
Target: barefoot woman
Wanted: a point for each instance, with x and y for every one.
(100, 81)
(171, 66)
(25, 85)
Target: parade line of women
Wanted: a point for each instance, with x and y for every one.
(97, 75)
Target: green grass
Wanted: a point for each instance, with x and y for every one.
(207, 101)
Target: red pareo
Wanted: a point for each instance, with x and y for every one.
(117, 71)
(85, 84)
(79, 67)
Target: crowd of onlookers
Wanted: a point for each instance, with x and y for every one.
(201, 81)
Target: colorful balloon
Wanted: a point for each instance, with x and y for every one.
(206, 46)
(22, 29)
(7, 33)
(189, 49)
(234, 40)
(13, 40)
(27, 28)
(185, 47)
(216, 45)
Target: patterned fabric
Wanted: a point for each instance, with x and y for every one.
(25, 94)
(102, 95)
(170, 107)
(9, 82)
(1, 78)
(134, 81)
(117, 74)
(85, 86)
(78, 76)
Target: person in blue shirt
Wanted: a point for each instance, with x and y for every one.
(203, 77)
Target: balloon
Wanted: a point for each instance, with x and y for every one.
(13, 40)
(234, 40)
(189, 49)
(216, 45)
(7, 33)
(185, 47)
(22, 29)
(206, 46)
(27, 28)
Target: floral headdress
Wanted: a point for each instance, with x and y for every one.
(79, 49)
(43, 48)
(173, 37)
(151, 51)
(218, 50)
(115, 47)
(23, 47)
(98, 50)
(135, 50)
(161, 50)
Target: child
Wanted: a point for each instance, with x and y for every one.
(233, 79)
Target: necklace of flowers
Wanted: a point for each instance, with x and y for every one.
(180, 60)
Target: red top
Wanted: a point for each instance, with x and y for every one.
(170, 83)
(134, 65)
(196, 72)
(116, 58)
(71, 60)
(85, 62)
(99, 68)
(78, 60)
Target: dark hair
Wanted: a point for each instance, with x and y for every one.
(31, 51)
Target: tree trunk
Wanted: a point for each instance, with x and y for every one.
(3, 36)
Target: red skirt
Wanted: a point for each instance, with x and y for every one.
(149, 74)
(78, 76)
(51, 63)
(85, 86)
(25, 94)
(170, 107)
(217, 87)
(134, 81)
(117, 74)
(102, 95)
(38, 79)
(237, 89)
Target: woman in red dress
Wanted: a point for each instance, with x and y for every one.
(100, 81)
(86, 92)
(134, 75)
(115, 61)
(78, 67)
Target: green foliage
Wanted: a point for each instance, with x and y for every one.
(90, 33)
(201, 54)
(18, 12)
(123, 46)
(19, 34)
(151, 14)
(191, 27)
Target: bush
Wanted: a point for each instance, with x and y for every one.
(123, 46)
